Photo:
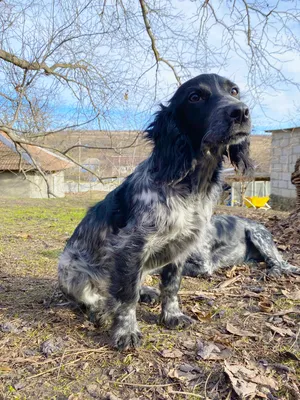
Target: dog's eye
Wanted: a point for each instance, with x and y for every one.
(234, 91)
(194, 97)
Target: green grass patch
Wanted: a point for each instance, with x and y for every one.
(52, 254)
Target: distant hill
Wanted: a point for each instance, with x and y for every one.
(113, 153)
(118, 152)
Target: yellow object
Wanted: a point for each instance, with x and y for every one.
(256, 202)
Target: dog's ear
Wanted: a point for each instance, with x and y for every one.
(172, 156)
(158, 125)
(239, 155)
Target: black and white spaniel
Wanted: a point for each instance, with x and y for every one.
(161, 212)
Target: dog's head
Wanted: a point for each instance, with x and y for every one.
(205, 116)
(209, 111)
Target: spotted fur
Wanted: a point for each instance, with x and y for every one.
(232, 241)
(161, 212)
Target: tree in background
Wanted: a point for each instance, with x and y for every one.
(86, 64)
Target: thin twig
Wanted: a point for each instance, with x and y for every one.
(52, 369)
(206, 382)
(157, 56)
(188, 394)
(60, 364)
(144, 386)
(68, 363)
(101, 350)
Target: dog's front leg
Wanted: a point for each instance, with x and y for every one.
(171, 314)
(125, 330)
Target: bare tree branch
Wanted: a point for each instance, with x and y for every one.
(102, 64)
(153, 42)
(35, 66)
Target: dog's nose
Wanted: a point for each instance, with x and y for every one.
(239, 113)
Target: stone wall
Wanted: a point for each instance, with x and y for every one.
(285, 152)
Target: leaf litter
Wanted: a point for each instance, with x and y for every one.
(248, 382)
(245, 343)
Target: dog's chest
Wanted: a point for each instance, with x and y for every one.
(180, 219)
(179, 223)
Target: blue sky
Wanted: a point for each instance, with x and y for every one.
(273, 104)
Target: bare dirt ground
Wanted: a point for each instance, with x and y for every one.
(244, 343)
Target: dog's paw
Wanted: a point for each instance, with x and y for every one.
(126, 340)
(175, 321)
(149, 295)
(284, 268)
(288, 269)
(274, 272)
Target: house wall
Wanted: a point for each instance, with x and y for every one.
(31, 186)
(83, 187)
(14, 185)
(285, 151)
(38, 187)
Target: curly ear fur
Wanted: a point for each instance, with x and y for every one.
(240, 158)
(173, 155)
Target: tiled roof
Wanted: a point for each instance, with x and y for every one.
(10, 160)
(14, 158)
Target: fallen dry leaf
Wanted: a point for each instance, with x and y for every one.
(229, 282)
(231, 273)
(199, 294)
(210, 351)
(200, 315)
(291, 295)
(189, 344)
(175, 353)
(184, 373)
(3, 368)
(52, 346)
(173, 374)
(241, 387)
(239, 332)
(19, 385)
(206, 349)
(9, 327)
(245, 381)
(266, 306)
(282, 247)
(281, 331)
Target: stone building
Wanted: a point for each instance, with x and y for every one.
(285, 151)
(24, 171)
